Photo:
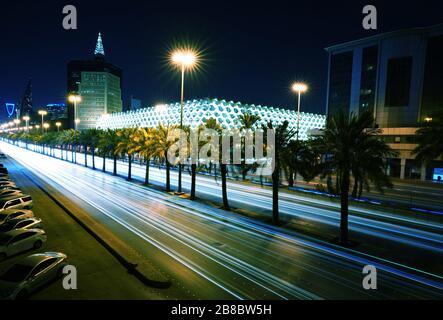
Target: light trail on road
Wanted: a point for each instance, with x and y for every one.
(315, 210)
(242, 257)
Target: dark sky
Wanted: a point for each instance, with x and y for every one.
(252, 50)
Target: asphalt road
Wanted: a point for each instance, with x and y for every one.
(408, 240)
(213, 254)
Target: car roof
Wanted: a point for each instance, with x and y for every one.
(14, 196)
(34, 259)
(10, 211)
(17, 220)
(16, 232)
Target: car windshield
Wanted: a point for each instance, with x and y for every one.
(18, 272)
(4, 239)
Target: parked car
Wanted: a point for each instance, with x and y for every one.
(9, 214)
(17, 223)
(8, 192)
(6, 182)
(9, 187)
(16, 241)
(31, 273)
(22, 201)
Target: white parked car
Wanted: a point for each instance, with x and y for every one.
(16, 241)
(27, 223)
(9, 192)
(9, 214)
(22, 201)
(31, 273)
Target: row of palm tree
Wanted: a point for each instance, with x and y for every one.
(348, 148)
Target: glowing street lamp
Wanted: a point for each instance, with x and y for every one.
(27, 118)
(184, 59)
(58, 124)
(46, 126)
(37, 126)
(75, 98)
(299, 88)
(17, 122)
(43, 113)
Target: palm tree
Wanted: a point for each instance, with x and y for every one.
(94, 139)
(300, 157)
(125, 146)
(212, 123)
(247, 122)
(430, 140)
(345, 141)
(160, 149)
(283, 136)
(144, 145)
(108, 143)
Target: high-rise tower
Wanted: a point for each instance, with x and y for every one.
(98, 83)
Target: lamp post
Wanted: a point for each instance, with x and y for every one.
(43, 113)
(58, 124)
(184, 59)
(75, 98)
(46, 126)
(299, 88)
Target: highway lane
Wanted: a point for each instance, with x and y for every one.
(386, 225)
(243, 258)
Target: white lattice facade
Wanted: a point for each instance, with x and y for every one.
(195, 112)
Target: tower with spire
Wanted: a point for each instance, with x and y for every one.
(99, 50)
(98, 82)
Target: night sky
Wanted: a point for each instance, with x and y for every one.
(252, 50)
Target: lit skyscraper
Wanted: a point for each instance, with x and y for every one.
(98, 83)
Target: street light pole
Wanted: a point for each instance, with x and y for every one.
(299, 87)
(183, 58)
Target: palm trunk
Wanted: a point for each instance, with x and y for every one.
(223, 171)
(93, 157)
(114, 172)
(193, 174)
(290, 178)
(168, 178)
(355, 188)
(344, 202)
(129, 167)
(147, 172)
(86, 156)
(360, 189)
(275, 185)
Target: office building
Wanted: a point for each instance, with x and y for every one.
(99, 84)
(398, 76)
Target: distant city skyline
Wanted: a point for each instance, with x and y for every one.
(251, 54)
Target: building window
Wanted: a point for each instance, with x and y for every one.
(368, 78)
(432, 100)
(340, 82)
(398, 82)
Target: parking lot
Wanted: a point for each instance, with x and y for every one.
(99, 274)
